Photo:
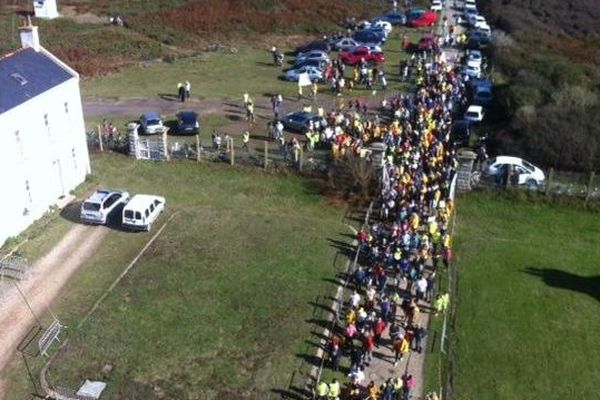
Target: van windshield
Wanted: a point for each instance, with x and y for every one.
(128, 214)
(91, 206)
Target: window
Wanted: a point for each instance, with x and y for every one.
(128, 214)
(19, 143)
(74, 157)
(147, 213)
(28, 190)
(151, 207)
(138, 215)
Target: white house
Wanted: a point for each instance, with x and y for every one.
(45, 9)
(43, 149)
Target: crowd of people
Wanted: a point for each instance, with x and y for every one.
(401, 254)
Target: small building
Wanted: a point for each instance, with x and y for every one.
(45, 9)
(43, 148)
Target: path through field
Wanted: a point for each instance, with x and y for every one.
(50, 274)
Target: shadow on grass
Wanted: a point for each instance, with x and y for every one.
(589, 285)
(293, 393)
(168, 96)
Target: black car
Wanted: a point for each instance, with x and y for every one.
(314, 45)
(461, 133)
(188, 123)
(482, 36)
(299, 121)
(369, 36)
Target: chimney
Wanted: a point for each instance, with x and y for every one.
(29, 35)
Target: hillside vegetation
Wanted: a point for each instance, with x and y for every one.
(546, 59)
(170, 28)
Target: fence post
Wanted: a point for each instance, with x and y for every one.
(549, 181)
(198, 148)
(266, 154)
(100, 138)
(231, 152)
(589, 186)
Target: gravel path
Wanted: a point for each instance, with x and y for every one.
(50, 274)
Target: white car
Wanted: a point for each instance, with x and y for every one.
(314, 73)
(377, 23)
(474, 114)
(526, 173)
(436, 5)
(474, 58)
(97, 207)
(142, 210)
(475, 21)
(473, 71)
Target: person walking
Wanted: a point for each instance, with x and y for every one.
(181, 92)
(334, 390)
(408, 385)
(188, 89)
(401, 347)
(322, 391)
(246, 141)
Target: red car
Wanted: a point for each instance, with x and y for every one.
(362, 53)
(422, 19)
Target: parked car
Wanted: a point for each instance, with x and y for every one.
(461, 132)
(484, 37)
(419, 17)
(474, 114)
(362, 53)
(319, 55)
(300, 121)
(151, 123)
(314, 45)
(474, 57)
(376, 24)
(436, 5)
(394, 18)
(369, 36)
(314, 73)
(374, 48)
(524, 172)
(472, 71)
(346, 43)
(142, 211)
(483, 96)
(97, 208)
(318, 64)
(188, 123)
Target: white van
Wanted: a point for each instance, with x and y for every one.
(142, 210)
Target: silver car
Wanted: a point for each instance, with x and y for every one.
(97, 207)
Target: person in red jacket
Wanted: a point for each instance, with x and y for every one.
(378, 330)
(368, 345)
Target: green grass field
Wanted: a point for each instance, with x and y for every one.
(220, 302)
(529, 297)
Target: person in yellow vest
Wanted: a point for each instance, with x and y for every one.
(246, 141)
(322, 391)
(334, 390)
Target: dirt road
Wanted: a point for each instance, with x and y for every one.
(50, 274)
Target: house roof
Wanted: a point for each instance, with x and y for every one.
(25, 74)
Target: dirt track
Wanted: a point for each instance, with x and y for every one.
(50, 274)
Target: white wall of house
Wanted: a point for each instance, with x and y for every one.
(43, 155)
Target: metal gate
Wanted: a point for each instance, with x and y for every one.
(150, 149)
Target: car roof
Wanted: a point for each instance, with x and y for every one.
(188, 114)
(509, 160)
(140, 200)
(151, 115)
(475, 108)
(99, 195)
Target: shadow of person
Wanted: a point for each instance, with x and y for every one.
(557, 278)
